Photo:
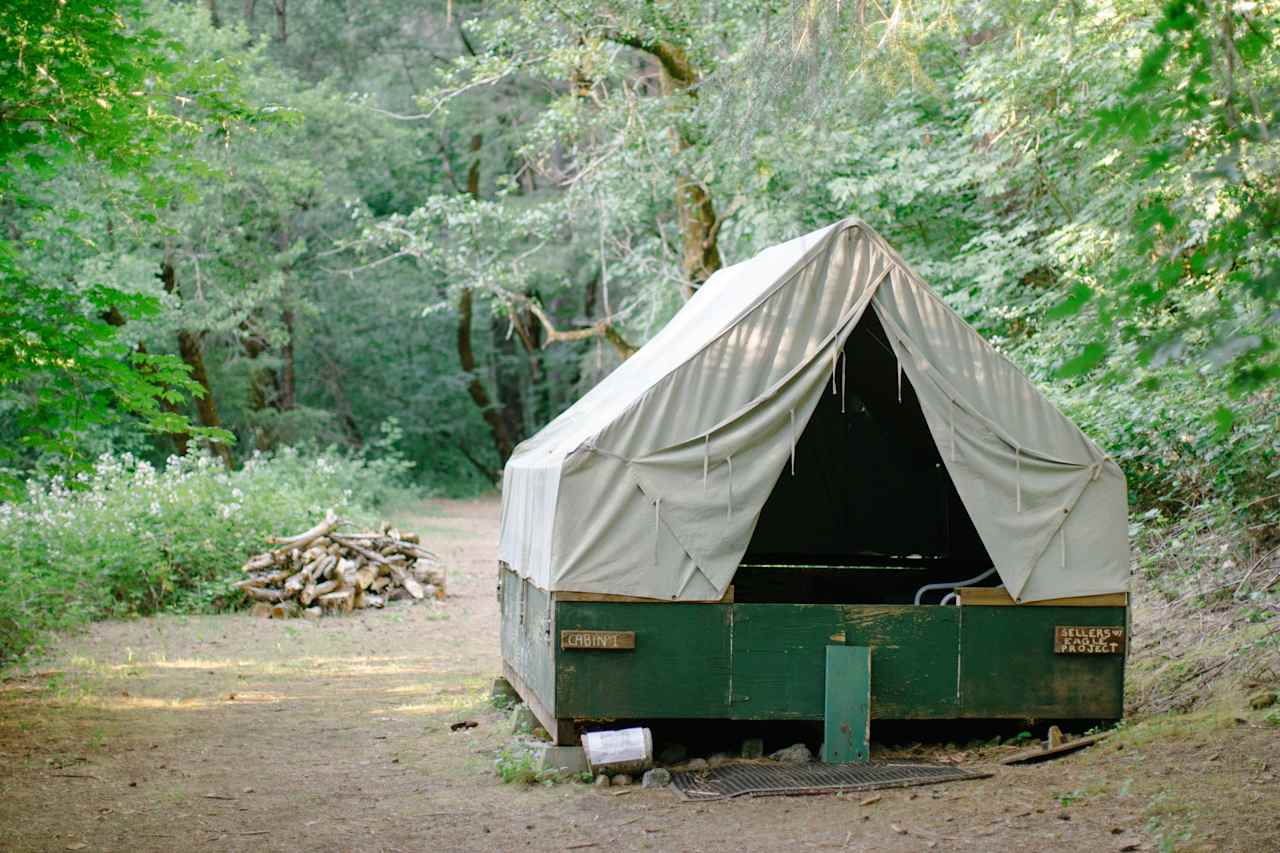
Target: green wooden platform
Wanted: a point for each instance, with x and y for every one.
(768, 661)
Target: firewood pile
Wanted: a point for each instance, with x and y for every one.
(322, 571)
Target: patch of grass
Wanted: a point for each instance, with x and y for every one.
(517, 766)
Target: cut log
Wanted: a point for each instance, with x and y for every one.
(340, 600)
(357, 598)
(260, 562)
(345, 573)
(365, 576)
(372, 600)
(324, 589)
(407, 581)
(305, 538)
(269, 595)
(294, 583)
(261, 610)
(368, 554)
(308, 593)
(380, 583)
(312, 613)
(285, 610)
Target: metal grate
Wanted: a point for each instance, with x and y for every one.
(762, 780)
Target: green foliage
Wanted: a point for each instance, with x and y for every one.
(516, 765)
(127, 538)
(87, 87)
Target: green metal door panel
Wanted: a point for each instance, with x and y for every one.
(779, 658)
(846, 721)
(1009, 669)
(678, 668)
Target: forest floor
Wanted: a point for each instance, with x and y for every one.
(235, 733)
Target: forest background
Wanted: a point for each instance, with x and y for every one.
(263, 257)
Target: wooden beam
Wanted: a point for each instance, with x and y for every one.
(997, 596)
(598, 597)
(562, 731)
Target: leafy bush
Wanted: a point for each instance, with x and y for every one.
(127, 538)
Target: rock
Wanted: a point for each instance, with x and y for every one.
(1265, 699)
(1055, 738)
(656, 778)
(622, 780)
(672, 753)
(522, 720)
(718, 759)
(602, 781)
(696, 764)
(797, 753)
(502, 694)
(753, 747)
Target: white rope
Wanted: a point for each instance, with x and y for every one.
(1062, 535)
(835, 358)
(729, 459)
(899, 379)
(657, 528)
(793, 442)
(1017, 456)
(706, 462)
(844, 364)
(952, 410)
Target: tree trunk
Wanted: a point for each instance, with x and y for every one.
(503, 441)
(192, 351)
(214, 20)
(181, 440)
(508, 378)
(264, 384)
(288, 374)
(696, 215)
(282, 30)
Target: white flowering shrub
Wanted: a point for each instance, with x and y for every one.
(127, 538)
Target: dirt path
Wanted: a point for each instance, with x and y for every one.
(233, 733)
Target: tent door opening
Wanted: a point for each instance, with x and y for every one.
(870, 514)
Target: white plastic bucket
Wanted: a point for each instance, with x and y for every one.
(621, 751)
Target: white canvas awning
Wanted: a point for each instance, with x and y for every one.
(651, 484)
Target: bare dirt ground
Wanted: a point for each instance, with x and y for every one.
(234, 733)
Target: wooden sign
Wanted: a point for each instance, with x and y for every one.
(605, 640)
(1087, 640)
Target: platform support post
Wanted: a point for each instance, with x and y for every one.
(847, 724)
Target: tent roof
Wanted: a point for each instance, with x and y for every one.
(651, 483)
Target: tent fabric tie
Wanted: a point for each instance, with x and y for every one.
(729, 459)
(835, 359)
(899, 376)
(657, 528)
(706, 461)
(1017, 457)
(952, 411)
(844, 365)
(1062, 537)
(793, 442)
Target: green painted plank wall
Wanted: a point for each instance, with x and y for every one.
(779, 658)
(525, 628)
(1009, 669)
(767, 661)
(679, 667)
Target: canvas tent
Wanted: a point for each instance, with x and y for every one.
(653, 484)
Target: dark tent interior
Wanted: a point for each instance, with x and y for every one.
(870, 514)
